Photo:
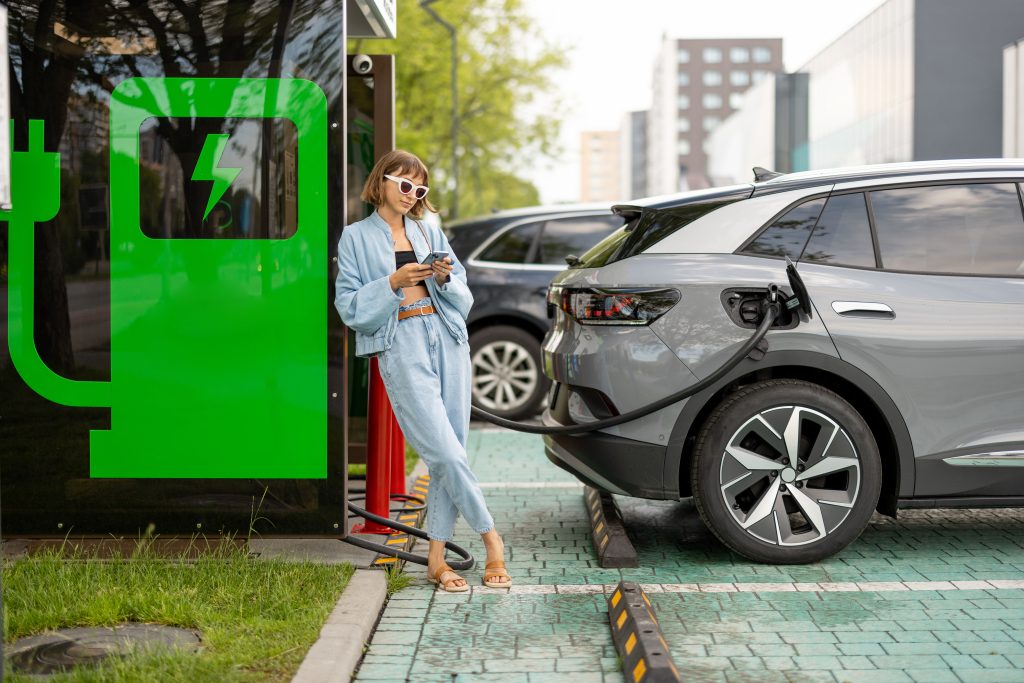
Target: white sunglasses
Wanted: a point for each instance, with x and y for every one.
(406, 186)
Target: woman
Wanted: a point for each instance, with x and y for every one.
(413, 317)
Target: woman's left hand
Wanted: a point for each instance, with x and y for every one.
(442, 269)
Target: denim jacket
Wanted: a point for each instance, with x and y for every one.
(363, 295)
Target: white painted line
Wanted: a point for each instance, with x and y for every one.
(840, 587)
(883, 586)
(765, 587)
(717, 587)
(846, 587)
(586, 588)
(930, 586)
(681, 588)
(972, 585)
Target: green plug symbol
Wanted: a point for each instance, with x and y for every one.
(207, 169)
(35, 198)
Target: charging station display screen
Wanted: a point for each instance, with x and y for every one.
(168, 270)
(224, 179)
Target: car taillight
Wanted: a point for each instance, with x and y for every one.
(614, 306)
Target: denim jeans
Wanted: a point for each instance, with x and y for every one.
(427, 375)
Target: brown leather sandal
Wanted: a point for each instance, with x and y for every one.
(447, 585)
(496, 570)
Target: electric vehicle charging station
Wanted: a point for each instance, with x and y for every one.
(214, 398)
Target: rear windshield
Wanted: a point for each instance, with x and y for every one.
(651, 226)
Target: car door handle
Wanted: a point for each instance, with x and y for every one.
(863, 309)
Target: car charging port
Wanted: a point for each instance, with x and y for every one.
(747, 306)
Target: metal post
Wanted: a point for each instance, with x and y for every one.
(378, 457)
(397, 457)
(425, 4)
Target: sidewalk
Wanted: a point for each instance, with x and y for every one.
(937, 596)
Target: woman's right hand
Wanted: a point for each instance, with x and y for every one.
(408, 275)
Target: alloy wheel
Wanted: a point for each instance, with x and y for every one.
(505, 376)
(790, 475)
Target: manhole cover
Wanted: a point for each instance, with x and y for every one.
(61, 650)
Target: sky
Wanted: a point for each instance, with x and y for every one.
(611, 46)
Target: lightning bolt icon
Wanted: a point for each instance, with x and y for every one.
(207, 169)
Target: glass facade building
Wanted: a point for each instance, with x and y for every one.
(698, 80)
(1013, 100)
(861, 92)
(915, 80)
(769, 130)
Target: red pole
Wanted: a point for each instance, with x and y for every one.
(378, 456)
(397, 455)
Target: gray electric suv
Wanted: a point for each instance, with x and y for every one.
(902, 386)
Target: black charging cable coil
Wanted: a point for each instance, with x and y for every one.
(773, 310)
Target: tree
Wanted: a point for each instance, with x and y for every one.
(503, 67)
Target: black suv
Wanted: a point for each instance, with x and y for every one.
(510, 258)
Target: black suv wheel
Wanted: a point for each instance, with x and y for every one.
(786, 471)
(507, 380)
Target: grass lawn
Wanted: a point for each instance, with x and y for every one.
(257, 618)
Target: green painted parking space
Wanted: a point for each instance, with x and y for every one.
(934, 596)
(486, 636)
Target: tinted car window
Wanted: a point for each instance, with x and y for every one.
(513, 246)
(788, 235)
(970, 229)
(843, 234)
(565, 236)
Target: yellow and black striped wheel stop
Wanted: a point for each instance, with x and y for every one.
(638, 637)
(611, 542)
(410, 516)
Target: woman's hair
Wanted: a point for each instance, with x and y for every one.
(397, 162)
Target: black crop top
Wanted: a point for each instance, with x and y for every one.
(403, 258)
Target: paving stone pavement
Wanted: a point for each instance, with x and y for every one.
(904, 603)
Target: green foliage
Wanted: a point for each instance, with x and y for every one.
(397, 579)
(503, 66)
(257, 618)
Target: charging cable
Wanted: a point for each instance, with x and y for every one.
(772, 312)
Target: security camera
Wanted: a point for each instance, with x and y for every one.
(362, 64)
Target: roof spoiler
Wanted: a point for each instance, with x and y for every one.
(761, 174)
(627, 211)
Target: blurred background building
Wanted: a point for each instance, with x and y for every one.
(914, 80)
(633, 155)
(769, 130)
(1013, 100)
(599, 166)
(697, 84)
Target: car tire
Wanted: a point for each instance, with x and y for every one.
(752, 497)
(507, 380)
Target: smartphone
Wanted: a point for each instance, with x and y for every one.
(433, 256)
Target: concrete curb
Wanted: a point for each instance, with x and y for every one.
(336, 652)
